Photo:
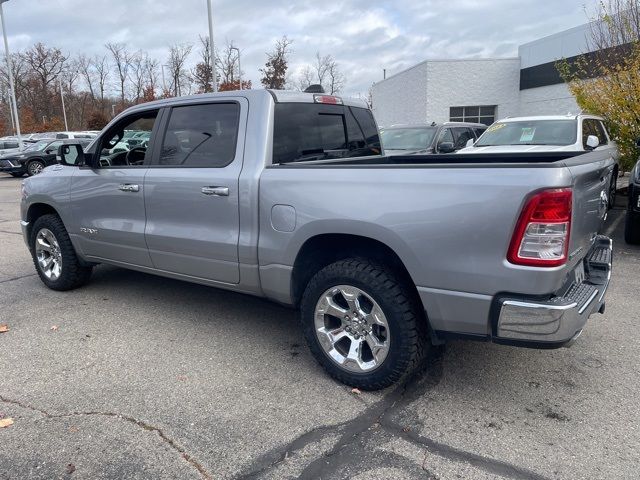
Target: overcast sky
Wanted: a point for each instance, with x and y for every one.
(363, 36)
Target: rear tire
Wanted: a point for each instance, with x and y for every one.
(632, 228)
(54, 257)
(34, 167)
(387, 315)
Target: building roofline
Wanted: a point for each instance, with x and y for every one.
(439, 60)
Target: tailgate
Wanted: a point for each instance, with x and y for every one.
(590, 204)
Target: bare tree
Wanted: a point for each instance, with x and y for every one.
(101, 67)
(122, 61)
(85, 68)
(274, 73)
(202, 73)
(305, 78)
(324, 71)
(227, 64)
(45, 65)
(151, 67)
(178, 55)
(138, 74)
(616, 23)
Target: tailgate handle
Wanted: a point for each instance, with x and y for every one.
(216, 191)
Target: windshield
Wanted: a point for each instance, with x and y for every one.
(533, 132)
(36, 147)
(408, 138)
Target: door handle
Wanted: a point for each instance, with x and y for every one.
(216, 191)
(128, 187)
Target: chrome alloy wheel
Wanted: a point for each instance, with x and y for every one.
(48, 254)
(35, 167)
(352, 328)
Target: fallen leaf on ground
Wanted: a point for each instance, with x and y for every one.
(54, 328)
(4, 328)
(5, 422)
(356, 391)
(71, 468)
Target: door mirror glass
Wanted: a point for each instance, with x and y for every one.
(446, 147)
(71, 155)
(592, 141)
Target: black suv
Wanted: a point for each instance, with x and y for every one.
(425, 138)
(33, 159)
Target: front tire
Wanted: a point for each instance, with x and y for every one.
(34, 167)
(54, 257)
(363, 324)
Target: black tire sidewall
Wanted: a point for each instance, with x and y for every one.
(402, 325)
(32, 162)
(73, 274)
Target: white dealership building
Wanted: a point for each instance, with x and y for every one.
(485, 89)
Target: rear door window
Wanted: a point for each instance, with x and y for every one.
(201, 136)
(305, 132)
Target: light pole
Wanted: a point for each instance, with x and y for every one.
(14, 105)
(212, 56)
(64, 110)
(164, 83)
(239, 68)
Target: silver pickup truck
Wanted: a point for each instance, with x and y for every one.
(289, 196)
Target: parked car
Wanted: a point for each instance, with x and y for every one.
(632, 222)
(33, 159)
(64, 135)
(429, 138)
(9, 145)
(285, 195)
(553, 133)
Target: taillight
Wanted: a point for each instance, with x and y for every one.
(541, 237)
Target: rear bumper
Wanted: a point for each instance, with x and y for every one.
(558, 320)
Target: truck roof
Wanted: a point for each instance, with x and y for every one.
(280, 96)
(549, 117)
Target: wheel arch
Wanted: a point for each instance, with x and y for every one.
(37, 210)
(323, 249)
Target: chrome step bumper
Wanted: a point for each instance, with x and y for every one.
(560, 319)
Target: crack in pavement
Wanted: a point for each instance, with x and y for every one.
(13, 279)
(12, 233)
(147, 427)
(496, 467)
(356, 432)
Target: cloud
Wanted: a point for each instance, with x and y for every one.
(365, 37)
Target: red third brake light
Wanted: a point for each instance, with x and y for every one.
(541, 237)
(330, 99)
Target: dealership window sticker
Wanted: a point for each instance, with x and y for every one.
(527, 134)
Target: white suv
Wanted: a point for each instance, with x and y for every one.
(552, 133)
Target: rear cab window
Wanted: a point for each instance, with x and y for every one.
(309, 131)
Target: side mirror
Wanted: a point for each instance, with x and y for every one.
(71, 155)
(446, 147)
(470, 142)
(592, 141)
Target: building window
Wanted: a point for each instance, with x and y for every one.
(480, 114)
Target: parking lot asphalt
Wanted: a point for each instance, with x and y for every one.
(136, 376)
